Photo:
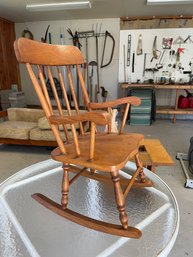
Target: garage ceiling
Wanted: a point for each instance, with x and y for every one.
(15, 10)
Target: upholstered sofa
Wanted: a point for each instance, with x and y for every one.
(27, 126)
(30, 127)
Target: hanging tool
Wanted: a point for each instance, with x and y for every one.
(179, 40)
(27, 34)
(144, 64)
(62, 42)
(129, 50)
(159, 65)
(92, 64)
(76, 42)
(104, 94)
(133, 62)
(107, 34)
(75, 38)
(124, 63)
(49, 38)
(139, 46)
(155, 52)
(97, 86)
(44, 39)
(188, 39)
(86, 35)
(172, 54)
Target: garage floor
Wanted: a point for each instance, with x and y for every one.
(174, 137)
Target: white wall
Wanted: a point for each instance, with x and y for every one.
(108, 75)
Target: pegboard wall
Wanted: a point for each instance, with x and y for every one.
(174, 49)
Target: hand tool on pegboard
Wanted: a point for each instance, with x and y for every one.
(124, 63)
(133, 62)
(155, 51)
(129, 50)
(144, 64)
(159, 65)
(139, 46)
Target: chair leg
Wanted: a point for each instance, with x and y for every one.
(65, 186)
(140, 165)
(120, 199)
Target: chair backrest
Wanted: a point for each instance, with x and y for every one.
(54, 66)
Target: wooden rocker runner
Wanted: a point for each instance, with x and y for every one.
(86, 153)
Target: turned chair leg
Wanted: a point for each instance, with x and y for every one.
(140, 165)
(65, 186)
(120, 199)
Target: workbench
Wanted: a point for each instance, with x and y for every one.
(153, 154)
(173, 110)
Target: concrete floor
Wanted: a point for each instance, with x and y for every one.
(174, 137)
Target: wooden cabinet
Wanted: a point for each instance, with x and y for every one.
(163, 109)
(9, 69)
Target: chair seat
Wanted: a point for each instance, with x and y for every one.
(112, 151)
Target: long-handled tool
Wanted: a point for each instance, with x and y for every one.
(86, 35)
(44, 40)
(76, 42)
(97, 86)
(184, 157)
(92, 64)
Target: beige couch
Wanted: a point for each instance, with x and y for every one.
(27, 126)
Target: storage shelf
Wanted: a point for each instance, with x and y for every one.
(172, 110)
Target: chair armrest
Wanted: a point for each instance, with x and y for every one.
(130, 100)
(98, 117)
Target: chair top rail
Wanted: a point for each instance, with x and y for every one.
(29, 51)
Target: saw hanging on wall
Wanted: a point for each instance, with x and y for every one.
(107, 34)
(139, 46)
(155, 51)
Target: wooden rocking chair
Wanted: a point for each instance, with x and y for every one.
(85, 153)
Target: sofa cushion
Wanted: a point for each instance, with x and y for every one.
(46, 134)
(16, 129)
(24, 114)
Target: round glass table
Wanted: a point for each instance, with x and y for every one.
(29, 229)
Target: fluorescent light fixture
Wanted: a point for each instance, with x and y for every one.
(58, 6)
(165, 2)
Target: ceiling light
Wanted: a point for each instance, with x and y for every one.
(159, 2)
(58, 6)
